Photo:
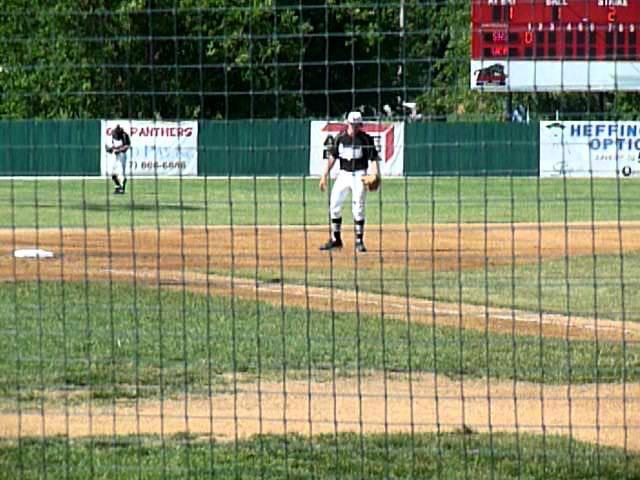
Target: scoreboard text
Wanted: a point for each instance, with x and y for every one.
(596, 33)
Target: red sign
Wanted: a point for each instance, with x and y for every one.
(376, 130)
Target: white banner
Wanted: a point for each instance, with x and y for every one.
(157, 148)
(554, 75)
(388, 137)
(584, 149)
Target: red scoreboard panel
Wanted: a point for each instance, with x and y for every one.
(555, 45)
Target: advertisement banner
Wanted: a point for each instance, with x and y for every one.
(388, 137)
(554, 75)
(589, 148)
(158, 148)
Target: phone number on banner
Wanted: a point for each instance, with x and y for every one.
(157, 165)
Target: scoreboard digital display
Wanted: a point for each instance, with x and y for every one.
(555, 45)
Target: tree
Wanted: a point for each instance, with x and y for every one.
(44, 57)
(252, 59)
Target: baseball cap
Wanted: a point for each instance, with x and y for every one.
(354, 118)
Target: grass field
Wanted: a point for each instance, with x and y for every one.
(345, 456)
(66, 343)
(297, 201)
(114, 342)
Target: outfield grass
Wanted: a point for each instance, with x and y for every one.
(345, 456)
(297, 201)
(121, 342)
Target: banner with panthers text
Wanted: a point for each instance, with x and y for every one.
(158, 148)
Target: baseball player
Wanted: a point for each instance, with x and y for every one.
(120, 143)
(356, 150)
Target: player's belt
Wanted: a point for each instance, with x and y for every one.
(352, 163)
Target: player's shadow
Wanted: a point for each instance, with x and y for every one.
(140, 207)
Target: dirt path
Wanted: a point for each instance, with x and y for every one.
(608, 414)
(603, 414)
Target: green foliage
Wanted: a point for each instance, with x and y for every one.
(259, 59)
(46, 61)
(84, 61)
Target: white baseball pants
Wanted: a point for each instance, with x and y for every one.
(348, 182)
(119, 166)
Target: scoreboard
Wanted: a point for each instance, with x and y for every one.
(555, 45)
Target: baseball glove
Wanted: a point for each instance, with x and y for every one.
(372, 182)
(108, 149)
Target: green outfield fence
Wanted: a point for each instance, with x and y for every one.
(49, 147)
(472, 149)
(274, 147)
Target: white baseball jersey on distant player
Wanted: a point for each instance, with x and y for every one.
(354, 154)
(119, 161)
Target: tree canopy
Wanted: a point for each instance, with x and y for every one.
(251, 59)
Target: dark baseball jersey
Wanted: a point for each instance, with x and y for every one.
(120, 138)
(355, 152)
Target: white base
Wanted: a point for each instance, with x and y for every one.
(32, 253)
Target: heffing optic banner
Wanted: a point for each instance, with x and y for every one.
(589, 148)
(158, 148)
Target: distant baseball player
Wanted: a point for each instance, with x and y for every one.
(120, 144)
(355, 150)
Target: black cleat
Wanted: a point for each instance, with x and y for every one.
(332, 245)
(118, 191)
(360, 248)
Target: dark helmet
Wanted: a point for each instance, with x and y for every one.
(118, 132)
